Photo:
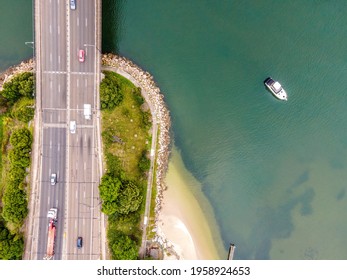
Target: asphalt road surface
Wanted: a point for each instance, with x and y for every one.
(67, 84)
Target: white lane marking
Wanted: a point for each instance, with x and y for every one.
(84, 194)
(86, 22)
(78, 21)
(59, 88)
(59, 59)
(50, 57)
(85, 137)
(50, 144)
(75, 223)
(51, 84)
(50, 28)
(58, 29)
(85, 83)
(84, 166)
(78, 82)
(58, 143)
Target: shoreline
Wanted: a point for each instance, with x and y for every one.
(189, 223)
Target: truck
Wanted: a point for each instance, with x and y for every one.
(50, 241)
(52, 215)
(87, 111)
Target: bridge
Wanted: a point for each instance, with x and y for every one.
(67, 53)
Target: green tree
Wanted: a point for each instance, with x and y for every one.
(110, 93)
(23, 110)
(138, 96)
(124, 248)
(11, 246)
(21, 138)
(129, 199)
(15, 204)
(18, 157)
(144, 162)
(16, 174)
(109, 192)
(21, 85)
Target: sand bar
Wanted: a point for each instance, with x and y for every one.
(186, 219)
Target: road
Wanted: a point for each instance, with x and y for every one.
(64, 84)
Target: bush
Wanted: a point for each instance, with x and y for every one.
(23, 110)
(129, 199)
(11, 246)
(110, 93)
(144, 162)
(21, 85)
(15, 204)
(124, 248)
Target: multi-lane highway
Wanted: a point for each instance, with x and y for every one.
(64, 84)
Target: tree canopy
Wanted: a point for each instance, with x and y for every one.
(124, 248)
(119, 197)
(21, 85)
(110, 93)
(11, 246)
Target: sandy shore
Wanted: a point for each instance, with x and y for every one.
(186, 218)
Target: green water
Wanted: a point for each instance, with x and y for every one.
(274, 172)
(16, 28)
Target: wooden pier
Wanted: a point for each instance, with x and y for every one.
(231, 252)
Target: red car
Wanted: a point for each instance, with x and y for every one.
(81, 55)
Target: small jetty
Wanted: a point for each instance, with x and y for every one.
(231, 251)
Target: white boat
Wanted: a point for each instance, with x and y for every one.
(276, 89)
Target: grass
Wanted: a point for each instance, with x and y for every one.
(126, 135)
(126, 126)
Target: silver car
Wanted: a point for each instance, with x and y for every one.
(73, 127)
(73, 4)
(53, 179)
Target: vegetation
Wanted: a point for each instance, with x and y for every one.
(17, 107)
(20, 86)
(126, 143)
(110, 93)
(11, 245)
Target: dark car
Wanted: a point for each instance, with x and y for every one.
(79, 242)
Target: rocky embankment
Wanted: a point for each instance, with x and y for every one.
(160, 114)
(8, 74)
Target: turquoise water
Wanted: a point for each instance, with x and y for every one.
(274, 172)
(16, 28)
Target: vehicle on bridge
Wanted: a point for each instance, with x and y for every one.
(73, 4)
(50, 242)
(53, 179)
(81, 55)
(79, 242)
(73, 127)
(52, 213)
(87, 111)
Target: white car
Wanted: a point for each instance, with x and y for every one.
(73, 4)
(73, 127)
(53, 179)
